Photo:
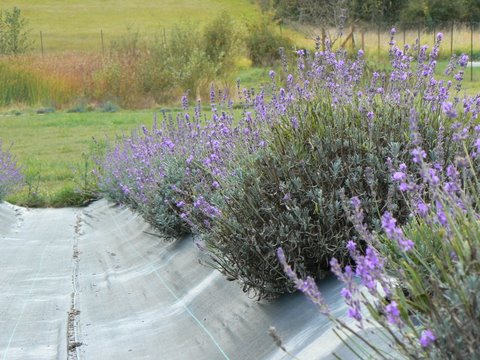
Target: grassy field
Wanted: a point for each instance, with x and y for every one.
(51, 149)
(76, 24)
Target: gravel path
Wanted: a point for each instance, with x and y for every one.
(96, 283)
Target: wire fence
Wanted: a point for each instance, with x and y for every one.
(458, 38)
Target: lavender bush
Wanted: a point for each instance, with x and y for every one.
(417, 284)
(277, 175)
(171, 174)
(145, 171)
(330, 130)
(10, 175)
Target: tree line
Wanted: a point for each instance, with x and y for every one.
(406, 13)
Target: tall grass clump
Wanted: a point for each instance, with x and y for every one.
(278, 175)
(10, 176)
(21, 84)
(416, 286)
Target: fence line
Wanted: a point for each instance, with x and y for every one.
(459, 37)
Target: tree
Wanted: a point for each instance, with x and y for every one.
(14, 34)
(386, 11)
(437, 12)
(322, 15)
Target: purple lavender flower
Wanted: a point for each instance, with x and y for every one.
(369, 269)
(449, 109)
(427, 338)
(351, 246)
(422, 208)
(433, 178)
(354, 313)
(418, 155)
(392, 313)
(463, 61)
(294, 121)
(441, 216)
(346, 293)
(399, 176)
(185, 102)
(350, 292)
(10, 174)
(308, 287)
(395, 233)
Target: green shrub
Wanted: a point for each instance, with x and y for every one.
(291, 195)
(221, 41)
(141, 72)
(263, 43)
(177, 66)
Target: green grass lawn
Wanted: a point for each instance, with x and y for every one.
(54, 149)
(50, 149)
(76, 24)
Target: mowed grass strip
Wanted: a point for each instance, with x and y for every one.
(52, 149)
(76, 24)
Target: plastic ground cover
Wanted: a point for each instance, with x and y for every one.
(97, 283)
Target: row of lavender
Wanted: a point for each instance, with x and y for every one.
(275, 184)
(10, 175)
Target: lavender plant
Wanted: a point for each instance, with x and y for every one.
(330, 130)
(278, 174)
(10, 176)
(144, 171)
(417, 284)
(170, 173)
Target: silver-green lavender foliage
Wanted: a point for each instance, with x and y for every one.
(417, 285)
(279, 174)
(332, 128)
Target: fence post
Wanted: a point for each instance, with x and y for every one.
(451, 39)
(41, 41)
(378, 40)
(471, 51)
(404, 38)
(363, 40)
(103, 44)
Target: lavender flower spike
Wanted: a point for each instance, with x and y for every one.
(307, 286)
(427, 338)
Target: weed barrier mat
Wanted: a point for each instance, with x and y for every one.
(97, 283)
